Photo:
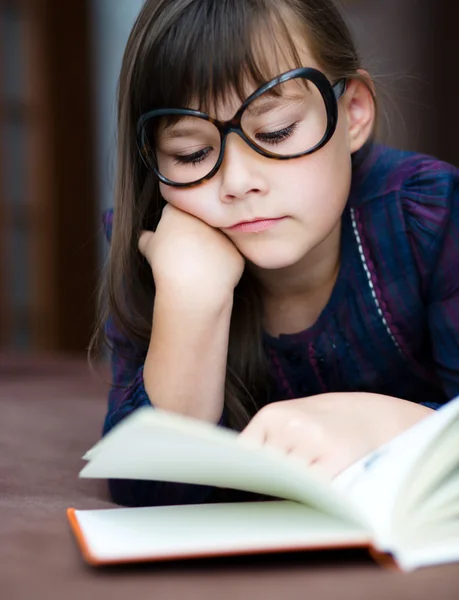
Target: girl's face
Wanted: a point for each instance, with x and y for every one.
(277, 211)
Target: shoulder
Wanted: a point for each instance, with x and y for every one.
(107, 223)
(385, 172)
(406, 196)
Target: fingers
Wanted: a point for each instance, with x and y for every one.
(299, 437)
(296, 435)
(328, 467)
(146, 237)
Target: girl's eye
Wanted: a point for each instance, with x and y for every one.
(192, 159)
(275, 137)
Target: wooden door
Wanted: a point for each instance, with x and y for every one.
(48, 204)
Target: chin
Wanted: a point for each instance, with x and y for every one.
(273, 259)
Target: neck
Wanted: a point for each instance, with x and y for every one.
(316, 270)
(294, 297)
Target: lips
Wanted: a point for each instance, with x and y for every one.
(256, 225)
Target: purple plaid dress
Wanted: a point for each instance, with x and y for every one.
(391, 325)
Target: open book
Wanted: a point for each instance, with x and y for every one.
(401, 500)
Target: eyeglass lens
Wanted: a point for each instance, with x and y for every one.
(289, 119)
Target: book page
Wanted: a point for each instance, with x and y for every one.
(375, 482)
(436, 550)
(442, 505)
(158, 445)
(128, 534)
(430, 477)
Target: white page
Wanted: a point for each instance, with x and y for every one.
(157, 445)
(430, 473)
(444, 548)
(374, 483)
(440, 506)
(200, 530)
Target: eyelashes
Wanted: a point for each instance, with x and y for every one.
(276, 137)
(193, 159)
(272, 138)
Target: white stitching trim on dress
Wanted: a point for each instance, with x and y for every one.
(370, 282)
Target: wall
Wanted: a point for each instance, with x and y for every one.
(112, 21)
(396, 40)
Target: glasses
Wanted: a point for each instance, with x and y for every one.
(293, 115)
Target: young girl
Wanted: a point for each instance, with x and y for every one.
(272, 269)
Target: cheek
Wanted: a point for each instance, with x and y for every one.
(198, 201)
(317, 186)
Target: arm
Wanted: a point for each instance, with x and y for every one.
(185, 365)
(126, 395)
(195, 270)
(186, 345)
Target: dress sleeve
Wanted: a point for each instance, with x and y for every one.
(127, 394)
(127, 391)
(431, 206)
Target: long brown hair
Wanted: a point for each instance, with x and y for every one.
(181, 50)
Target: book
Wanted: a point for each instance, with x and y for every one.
(400, 501)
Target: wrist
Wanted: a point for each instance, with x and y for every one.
(193, 298)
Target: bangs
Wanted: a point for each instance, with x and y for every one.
(213, 48)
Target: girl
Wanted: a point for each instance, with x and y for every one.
(272, 268)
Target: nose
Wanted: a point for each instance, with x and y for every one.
(242, 171)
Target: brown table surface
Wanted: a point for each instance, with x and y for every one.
(51, 413)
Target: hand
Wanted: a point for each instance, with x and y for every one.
(329, 432)
(188, 254)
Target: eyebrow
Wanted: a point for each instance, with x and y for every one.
(176, 131)
(258, 109)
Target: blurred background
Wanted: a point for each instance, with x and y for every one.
(59, 64)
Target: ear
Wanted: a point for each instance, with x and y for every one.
(360, 110)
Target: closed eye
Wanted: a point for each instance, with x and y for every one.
(192, 159)
(275, 137)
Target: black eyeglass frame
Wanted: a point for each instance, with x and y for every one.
(330, 95)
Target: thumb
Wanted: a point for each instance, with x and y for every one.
(144, 241)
